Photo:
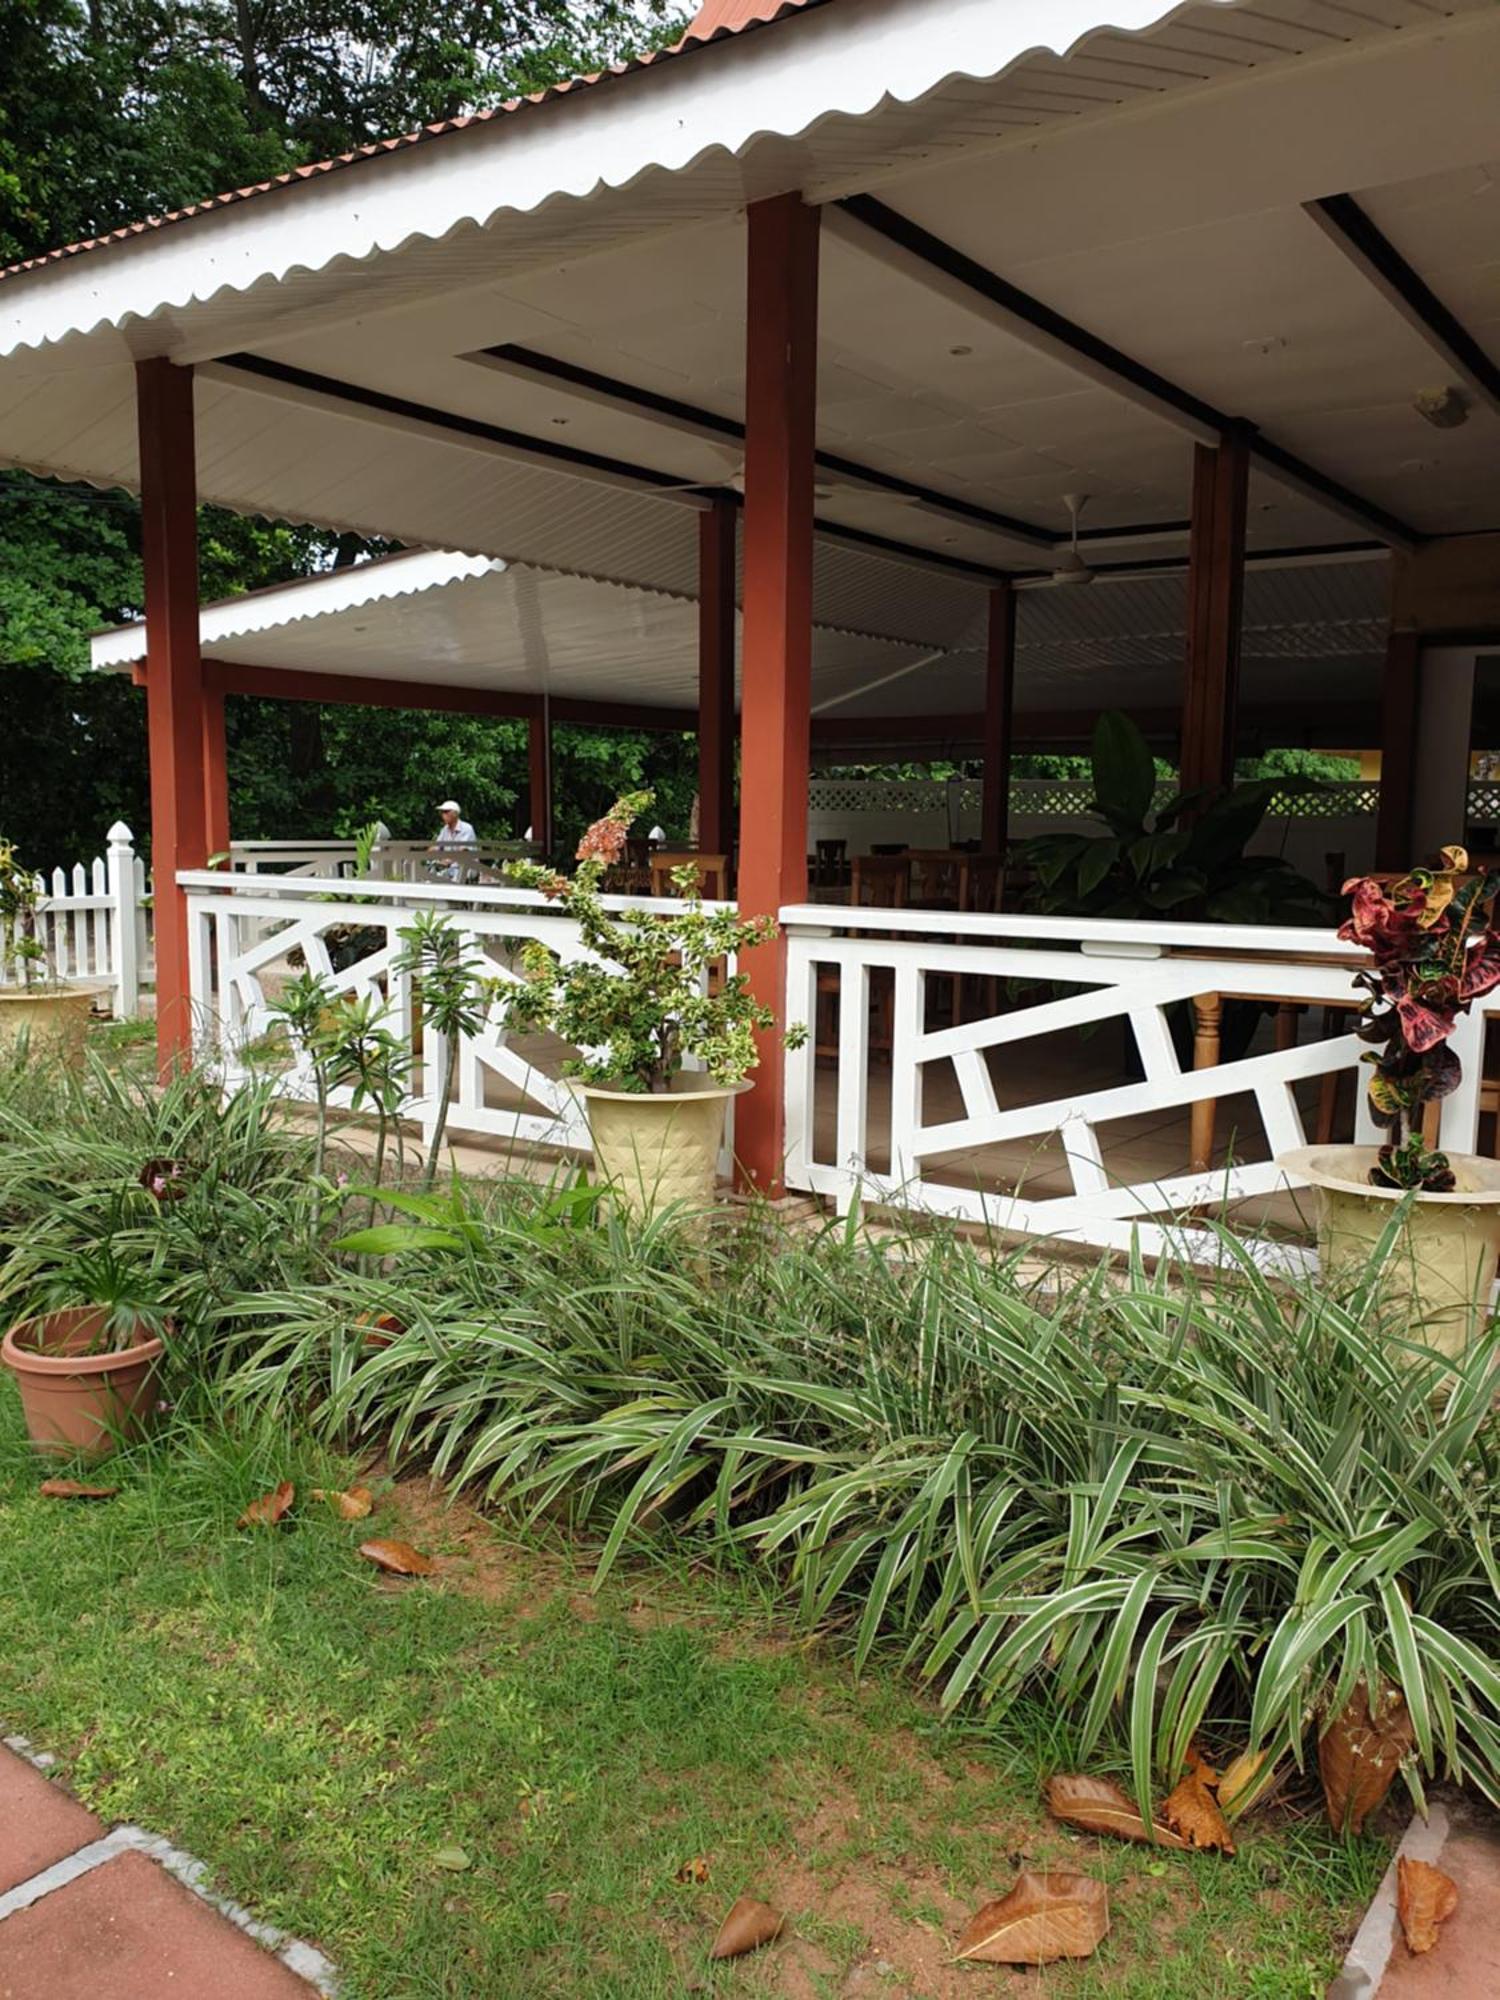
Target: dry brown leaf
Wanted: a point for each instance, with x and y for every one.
(383, 1328)
(695, 1870)
(1194, 1811)
(352, 1505)
(1043, 1918)
(74, 1489)
(269, 1508)
(749, 1925)
(1098, 1806)
(1239, 1777)
(400, 1558)
(1360, 1753)
(1425, 1897)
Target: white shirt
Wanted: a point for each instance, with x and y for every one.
(459, 835)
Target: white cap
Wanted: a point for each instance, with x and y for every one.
(450, 806)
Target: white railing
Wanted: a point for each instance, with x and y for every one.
(247, 934)
(94, 921)
(1013, 1109)
(1072, 798)
(390, 860)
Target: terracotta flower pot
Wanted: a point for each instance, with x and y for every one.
(54, 1020)
(657, 1147)
(1442, 1269)
(77, 1404)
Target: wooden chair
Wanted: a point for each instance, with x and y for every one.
(876, 882)
(829, 863)
(712, 872)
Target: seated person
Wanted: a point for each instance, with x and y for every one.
(455, 831)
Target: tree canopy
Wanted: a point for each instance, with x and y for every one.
(119, 109)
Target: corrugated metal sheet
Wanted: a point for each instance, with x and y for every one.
(457, 621)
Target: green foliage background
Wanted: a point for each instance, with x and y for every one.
(119, 109)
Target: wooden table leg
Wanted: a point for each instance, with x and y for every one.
(1208, 1011)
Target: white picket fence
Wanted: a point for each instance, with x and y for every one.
(94, 922)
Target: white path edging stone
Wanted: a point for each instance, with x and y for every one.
(1370, 1953)
(297, 1956)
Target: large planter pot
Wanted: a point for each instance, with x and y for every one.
(1442, 1269)
(77, 1404)
(659, 1147)
(52, 1019)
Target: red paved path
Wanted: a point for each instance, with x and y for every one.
(125, 1930)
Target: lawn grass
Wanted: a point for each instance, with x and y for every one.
(320, 1735)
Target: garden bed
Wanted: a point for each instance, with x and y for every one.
(321, 1737)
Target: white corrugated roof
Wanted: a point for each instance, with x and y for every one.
(459, 621)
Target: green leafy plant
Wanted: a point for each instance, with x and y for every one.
(20, 903)
(1185, 858)
(301, 1010)
(1431, 934)
(456, 995)
(669, 998)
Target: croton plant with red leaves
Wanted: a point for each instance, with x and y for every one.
(1432, 937)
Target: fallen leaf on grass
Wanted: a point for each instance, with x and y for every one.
(1194, 1811)
(695, 1870)
(1098, 1806)
(74, 1489)
(1359, 1754)
(383, 1328)
(452, 1858)
(1043, 1918)
(269, 1508)
(1425, 1896)
(351, 1505)
(400, 1558)
(749, 1925)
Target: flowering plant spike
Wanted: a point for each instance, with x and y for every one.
(1432, 936)
(671, 996)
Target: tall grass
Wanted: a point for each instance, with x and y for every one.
(1161, 1499)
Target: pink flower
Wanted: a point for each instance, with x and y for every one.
(604, 841)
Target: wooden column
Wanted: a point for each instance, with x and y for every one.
(1215, 585)
(176, 724)
(716, 540)
(1398, 752)
(539, 747)
(999, 718)
(215, 769)
(776, 673)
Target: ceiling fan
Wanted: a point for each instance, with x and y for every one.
(1070, 566)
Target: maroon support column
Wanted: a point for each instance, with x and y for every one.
(999, 713)
(716, 538)
(539, 746)
(1216, 582)
(1398, 752)
(174, 681)
(215, 769)
(776, 675)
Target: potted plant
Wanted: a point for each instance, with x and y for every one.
(86, 1354)
(36, 1008)
(1435, 950)
(651, 993)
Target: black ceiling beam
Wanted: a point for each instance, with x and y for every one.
(376, 402)
(1089, 354)
(528, 361)
(1346, 224)
(621, 472)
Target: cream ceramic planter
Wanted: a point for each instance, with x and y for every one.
(52, 1019)
(659, 1147)
(1443, 1269)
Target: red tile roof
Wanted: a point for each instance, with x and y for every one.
(716, 21)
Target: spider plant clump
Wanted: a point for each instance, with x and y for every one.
(1167, 1501)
